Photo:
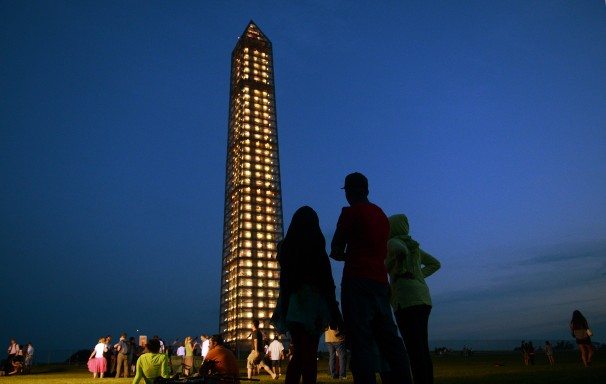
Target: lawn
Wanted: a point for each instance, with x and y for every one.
(493, 368)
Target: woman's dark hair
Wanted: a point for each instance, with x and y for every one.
(302, 253)
(153, 345)
(578, 320)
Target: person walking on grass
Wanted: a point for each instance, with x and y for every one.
(275, 350)
(255, 358)
(582, 334)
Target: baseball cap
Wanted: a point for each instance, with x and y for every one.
(356, 180)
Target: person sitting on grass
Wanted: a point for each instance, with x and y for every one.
(151, 364)
(17, 367)
(219, 360)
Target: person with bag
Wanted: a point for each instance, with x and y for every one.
(306, 302)
(121, 348)
(582, 334)
(408, 266)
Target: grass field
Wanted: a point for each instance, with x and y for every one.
(493, 368)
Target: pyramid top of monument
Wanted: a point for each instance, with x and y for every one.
(253, 32)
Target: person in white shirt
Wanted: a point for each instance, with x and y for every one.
(276, 354)
(181, 351)
(204, 346)
(97, 363)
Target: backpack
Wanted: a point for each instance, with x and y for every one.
(123, 347)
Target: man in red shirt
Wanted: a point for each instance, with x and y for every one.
(360, 240)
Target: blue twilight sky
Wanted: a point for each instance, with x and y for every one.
(483, 121)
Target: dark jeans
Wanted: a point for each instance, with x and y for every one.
(412, 322)
(304, 363)
(372, 333)
(333, 349)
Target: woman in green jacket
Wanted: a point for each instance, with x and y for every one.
(408, 266)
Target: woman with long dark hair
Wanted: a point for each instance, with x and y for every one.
(307, 303)
(581, 332)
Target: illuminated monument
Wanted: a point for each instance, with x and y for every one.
(253, 200)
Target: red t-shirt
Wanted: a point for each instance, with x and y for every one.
(365, 229)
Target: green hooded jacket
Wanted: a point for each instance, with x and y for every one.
(408, 266)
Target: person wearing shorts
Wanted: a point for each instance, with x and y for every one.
(255, 358)
(276, 354)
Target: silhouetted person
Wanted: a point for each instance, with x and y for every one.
(580, 331)
(360, 240)
(132, 346)
(408, 266)
(524, 352)
(307, 302)
(549, 352)
(109, 355)
(531, 352)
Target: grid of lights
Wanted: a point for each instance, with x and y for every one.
(253, 201)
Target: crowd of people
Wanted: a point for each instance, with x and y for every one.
(115, 359)
(123, 358)
(579, 330)
(19, 358)
(383, 278)
(384, 274)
